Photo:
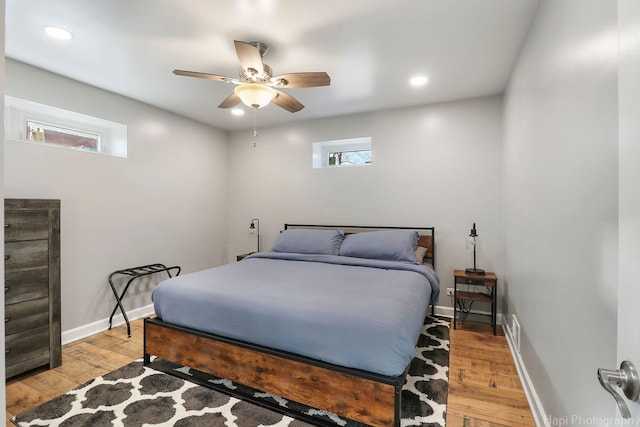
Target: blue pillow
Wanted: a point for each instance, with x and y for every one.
(389, 245)
(302, 241)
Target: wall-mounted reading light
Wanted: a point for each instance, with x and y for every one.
(252, 229)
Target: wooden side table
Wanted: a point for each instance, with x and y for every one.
(243, 256)
(488, 280)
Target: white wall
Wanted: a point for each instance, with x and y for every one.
(561, 171)
(164, 203)
(628, 194)
(436, 165)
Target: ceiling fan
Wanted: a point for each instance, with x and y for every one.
(256, 85)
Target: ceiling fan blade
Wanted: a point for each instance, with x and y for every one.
(204, 76)
(287, 102)
(230, 101)
(293, 80)
(250, 58)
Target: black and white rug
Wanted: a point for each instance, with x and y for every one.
(135, 395)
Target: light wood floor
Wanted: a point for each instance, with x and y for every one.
(484, 389)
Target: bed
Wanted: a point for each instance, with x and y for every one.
(328, 318)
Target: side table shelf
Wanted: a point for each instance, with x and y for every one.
(134, 273)
(488, 280)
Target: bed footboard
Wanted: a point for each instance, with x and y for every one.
(359, 395)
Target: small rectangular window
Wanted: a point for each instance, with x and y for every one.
(62, 136)
(343, 152)
(32, 122)
(356, 157)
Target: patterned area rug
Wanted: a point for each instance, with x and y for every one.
(135, 395)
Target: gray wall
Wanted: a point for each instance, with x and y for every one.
(561, 171)
(437, 165)
(628, 194)
(164, 203)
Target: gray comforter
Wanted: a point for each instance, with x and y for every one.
(352, 312)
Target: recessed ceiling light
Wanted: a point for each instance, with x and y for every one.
(57, 33)
(237, 112)
(418, 81)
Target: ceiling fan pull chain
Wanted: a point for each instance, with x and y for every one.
(255, 130)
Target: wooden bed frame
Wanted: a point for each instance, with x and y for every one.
(359, 395)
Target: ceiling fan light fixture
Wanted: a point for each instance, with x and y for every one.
(255, 95)
(256, 83)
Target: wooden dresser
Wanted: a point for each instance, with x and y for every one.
(32, 284)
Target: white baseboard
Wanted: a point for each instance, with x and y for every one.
(103, 325)
(448, 312)
(443, 311)
(539, 415)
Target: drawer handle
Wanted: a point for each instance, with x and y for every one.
(7, 319)
(7, 257)
(7, 226)
(6, 289)
(7, 351)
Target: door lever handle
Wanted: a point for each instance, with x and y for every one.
(626, 378)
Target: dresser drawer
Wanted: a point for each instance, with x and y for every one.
(26, 255)
(26, 225)
(22, 365)
(23, 346)
(26, 315)
(26, 285)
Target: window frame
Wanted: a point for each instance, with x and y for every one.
(18, 113)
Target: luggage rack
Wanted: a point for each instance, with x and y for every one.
(135, 273)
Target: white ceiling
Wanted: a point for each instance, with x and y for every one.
(370, 48)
